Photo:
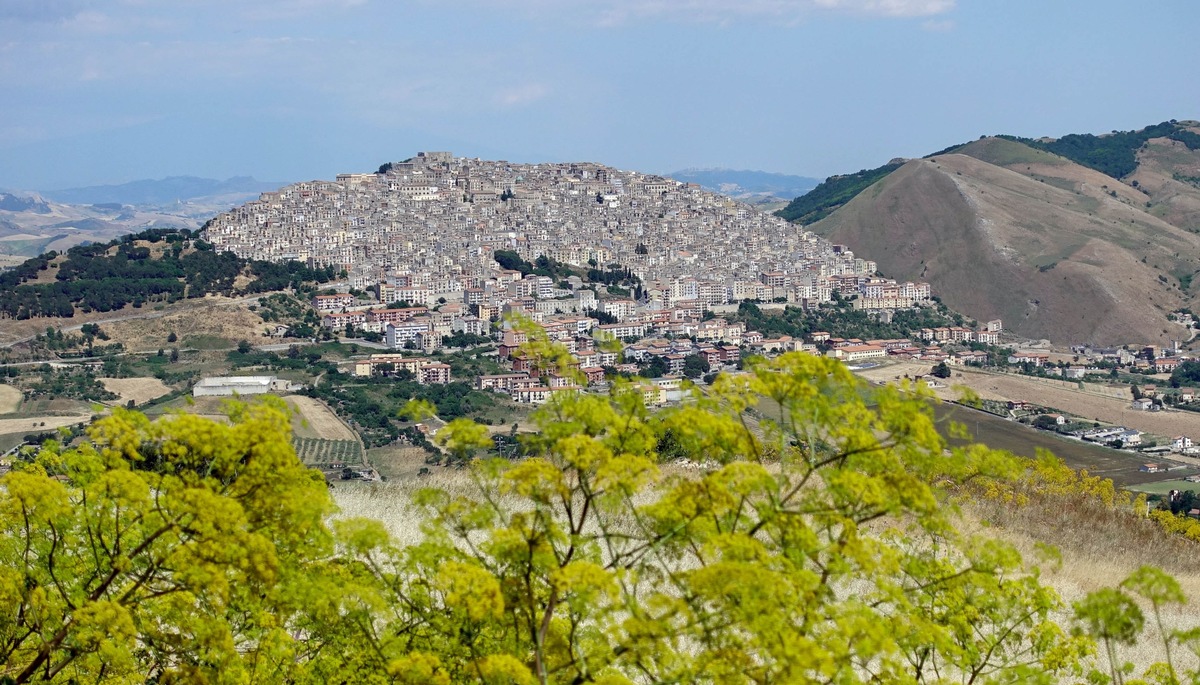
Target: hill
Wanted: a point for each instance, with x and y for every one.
(32, 223)
(173, 189)
(747, 185)
(1017, 230)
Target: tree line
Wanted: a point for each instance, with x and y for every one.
(1114, 154)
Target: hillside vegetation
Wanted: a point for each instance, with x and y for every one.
(1113, 154)
(160, 265)
(1011, 229)
(832, 193)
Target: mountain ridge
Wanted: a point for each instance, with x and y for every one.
(160, 191)
(745, 183)
(1056, 249)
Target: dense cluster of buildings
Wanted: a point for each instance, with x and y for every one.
(425, 232)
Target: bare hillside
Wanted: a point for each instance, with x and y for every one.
(1054, 249)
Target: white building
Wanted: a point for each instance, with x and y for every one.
(227, 386)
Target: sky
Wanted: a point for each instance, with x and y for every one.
(109, 91)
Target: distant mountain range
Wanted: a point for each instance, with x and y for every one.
(34, 222)
(169, 190)
(747, 185)
(1078, 239)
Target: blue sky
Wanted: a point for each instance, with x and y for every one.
(96, 91)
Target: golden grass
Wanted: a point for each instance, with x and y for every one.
(1099, 547)
(140, 390)
(10, 399)
(38, 424)
(315, 420)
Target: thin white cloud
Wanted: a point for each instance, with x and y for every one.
(286, 9)
(615, 12)
(889, 8)
(938, 25)
(521, 95)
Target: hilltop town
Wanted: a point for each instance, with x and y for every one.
(430, 227)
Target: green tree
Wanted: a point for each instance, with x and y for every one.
(584, 563)
(170, 550)
(695, 366)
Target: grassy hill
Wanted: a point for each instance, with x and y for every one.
(1058, 249)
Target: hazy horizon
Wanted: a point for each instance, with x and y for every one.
(100, 93)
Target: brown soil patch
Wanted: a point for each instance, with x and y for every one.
(10, 399)
(33, 424)
(318, 420)
(140, 390)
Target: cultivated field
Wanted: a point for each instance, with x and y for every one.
(39, 424)
(208, 407)
(317, 452)
(1123, 468)
(10, 399)
(140, 390)
(315, 420)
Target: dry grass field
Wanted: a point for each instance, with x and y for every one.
(146, 329)
(38, 424)
(399, 463)
(14, 330)
(1109, 405)
(214, 316)
(10, 399)
(315, 420)
(140, 390)
(1094, 401)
